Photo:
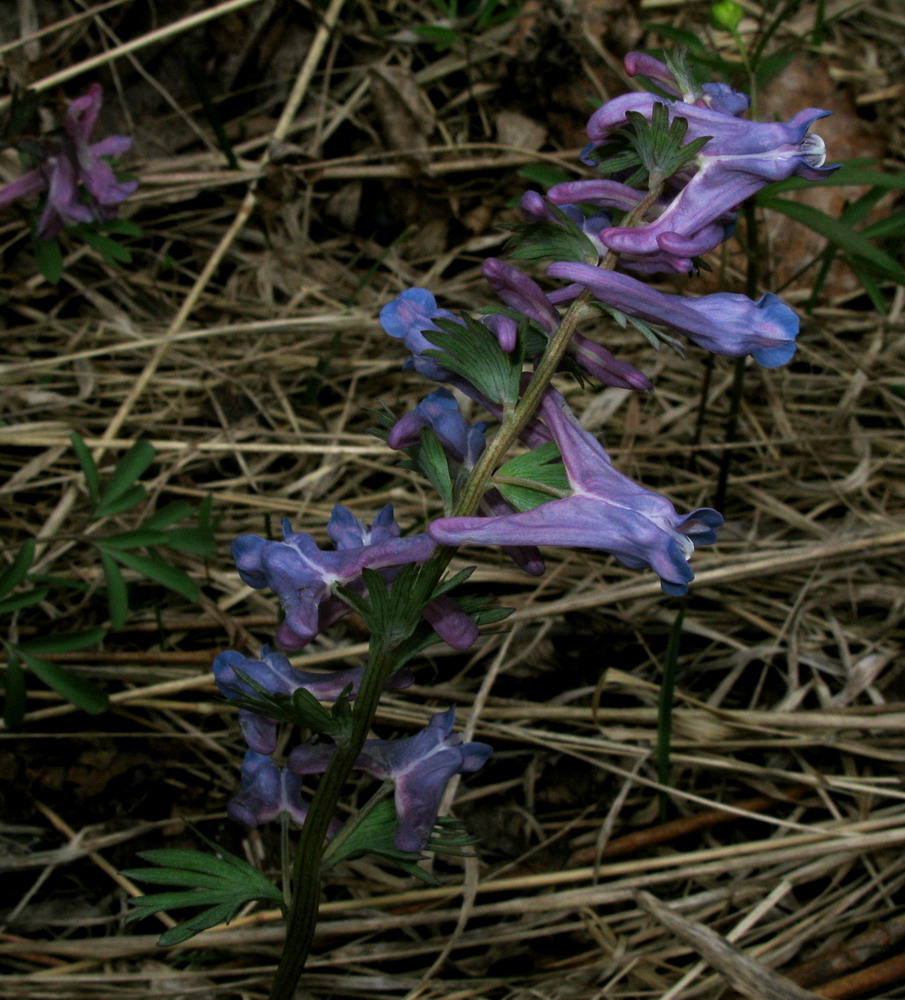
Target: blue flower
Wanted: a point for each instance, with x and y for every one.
(440, 412)
(724, 322)
(420, 766)
(266, 791)
(304, 576)
(605, 510)
(276, 674)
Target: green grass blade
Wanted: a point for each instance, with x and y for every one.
(117, 591)
(14, 687)
(14, 574)
(851, 241)
(73, 688)
(154, 568)
(65, 643)
(89, 467)
(128, 469)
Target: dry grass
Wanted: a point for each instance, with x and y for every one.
(243, 345)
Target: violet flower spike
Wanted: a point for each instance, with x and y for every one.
(725, 323)
(420, 766)
(606, 511)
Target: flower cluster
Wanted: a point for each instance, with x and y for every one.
(602, 228)
(308, 581)
(74, 172)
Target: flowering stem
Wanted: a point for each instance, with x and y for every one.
(543, 375)
(302, 919)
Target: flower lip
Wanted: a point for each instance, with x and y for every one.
(813, 150)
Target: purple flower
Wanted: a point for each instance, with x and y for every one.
(304, 576)
(716, 96)
(276, 675)
(524, 294)
(725, 323)
(266, 791)
(440, 411)
(406, 318)
(739, 159)
(650, 260)
(420, 766)
(81, 186)
(605, 511)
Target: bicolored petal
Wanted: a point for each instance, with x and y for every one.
(607, 511)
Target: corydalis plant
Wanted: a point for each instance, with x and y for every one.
(673, 171)
(72, 177)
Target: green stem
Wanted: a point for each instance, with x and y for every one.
(543, 375)
(302, 919)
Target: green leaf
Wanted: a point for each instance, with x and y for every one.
(65, 643)
(440, 36)
(209, 918)
(13, 575)
(538, 241)
(195, 541)
(154, 568)
(117, 591)
(134, 495)
(22, 110)
(849, 240)
(138, 538)
(544, 174)
(373, 833)
(222, 879)
(49, 259)
(175, 900)
(135, 461)
(14, 687)
(542, 478)
(658, 141)
(121, 227)
(854, 173)
(432, 461)
(171, 512)
(26, 600)
(471, 350)
(686, 39)
(62, 582)
(300, 708)
(73, 688)
(89, 467)
(111, 251)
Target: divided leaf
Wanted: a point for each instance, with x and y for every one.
(221, 882)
